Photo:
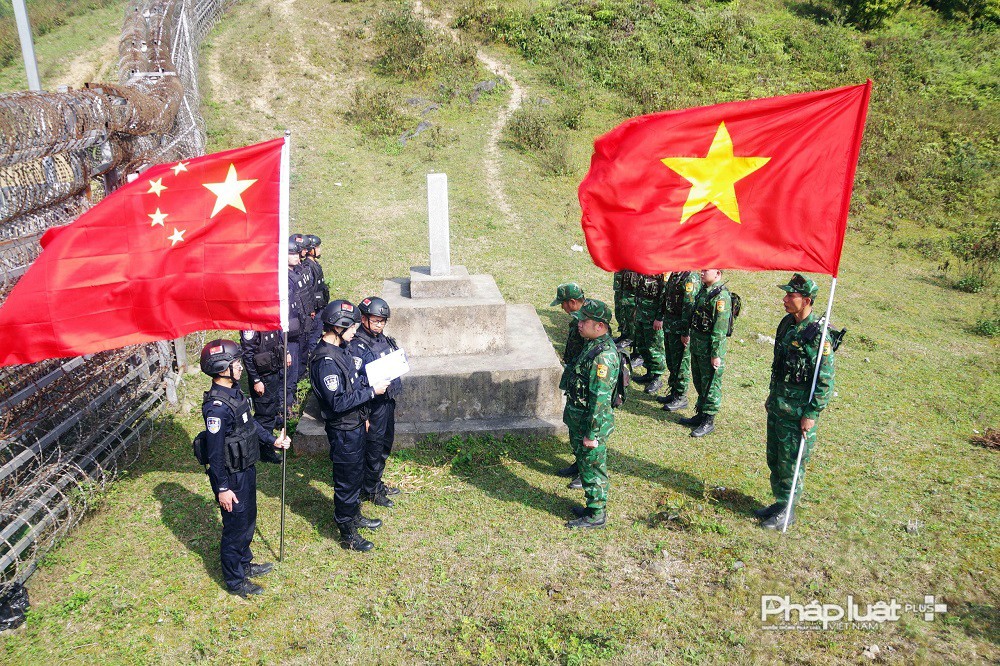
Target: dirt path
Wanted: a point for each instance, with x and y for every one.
(98, 64)
(494, 180)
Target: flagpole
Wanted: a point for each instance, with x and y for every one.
(812, 393)
(283, 290)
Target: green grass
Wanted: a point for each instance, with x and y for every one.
(474, 565)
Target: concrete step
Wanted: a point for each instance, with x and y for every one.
(410, 434)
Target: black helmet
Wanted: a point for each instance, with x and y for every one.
(373, 306)
(294, 247)
(314, 241)
(340, 313)
(218, 355)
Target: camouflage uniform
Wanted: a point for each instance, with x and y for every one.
(648, 306)
(678, 299)
(574, 341)
(589, 384)
(709, 324)
(625, 304)
(796, 348)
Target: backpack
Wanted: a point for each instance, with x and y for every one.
(734, 311)
(200, 449)
(619, 395)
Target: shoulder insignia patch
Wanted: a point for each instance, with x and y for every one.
(826, 348)
(721, 305)
(689, 287)
(248, 335)
(332, 382)
(357, 362)
(602, 370)
(214, 424)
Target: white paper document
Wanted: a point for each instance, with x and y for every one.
(387, 368)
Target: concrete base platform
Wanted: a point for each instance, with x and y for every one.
(411, 434)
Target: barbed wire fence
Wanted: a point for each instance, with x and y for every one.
(68, 426)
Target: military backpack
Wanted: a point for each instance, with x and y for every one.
(734, 311)
(619, 395)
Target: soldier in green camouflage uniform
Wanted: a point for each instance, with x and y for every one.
(679, 294)
(625, 307)
(618, 286)
(570, 298)
(790, 412)
(648, 333)
(589, 384)
(709, 324)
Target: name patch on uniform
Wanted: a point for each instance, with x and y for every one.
(357, 362)
(826, 349)
(720, 306)
(213, 424)
(332, 382)
(602, 371)
(246, 417)
(248, 335)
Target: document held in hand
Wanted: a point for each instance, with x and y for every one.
(387, 368)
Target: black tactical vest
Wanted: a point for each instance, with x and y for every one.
(241, 448)
(676, 293)
(380, 346)
(648, 286)
(703, 317)
(268, 357)
(352, 418)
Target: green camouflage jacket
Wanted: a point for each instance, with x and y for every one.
(679, 294)
(589, 385)
(710, 317)
(796, 347)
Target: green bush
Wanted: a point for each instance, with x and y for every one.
(978, 250)
(989, 328)
(870, 14)
(554, 159)
(531, 128)
(983, 13)
(375, 110)
(407, 47)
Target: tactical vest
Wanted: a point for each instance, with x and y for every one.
(630, 280)
(268, 358)
(352, 418)
(797, 352)
(380, 346)
(703, 317)
(648, 286)
(307, 288)
(241, 448)
(675, 293)
(578, 382)
(321, 291)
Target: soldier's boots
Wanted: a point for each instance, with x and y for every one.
(351, 540)
(777, 521)
(674, 402)
(379, 499)
(578, 511)
(692, 421)
(246, 589)
(257, 570)
(590, 520)
(568, 472)
(367, 523)
(575, 484)
(636, 362)
(389, 491)
(655, 385)
(706, 426)
(646, 378)
(768, 511)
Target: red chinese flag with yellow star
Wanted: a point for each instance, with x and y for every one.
(188, 246)
(762, 184)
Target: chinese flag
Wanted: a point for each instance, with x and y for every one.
(763, 184)
(189, 246)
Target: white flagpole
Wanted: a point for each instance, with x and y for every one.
(812, 394)
(283, 298)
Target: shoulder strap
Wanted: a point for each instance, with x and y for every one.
(214, 394)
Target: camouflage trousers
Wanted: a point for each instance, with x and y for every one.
(783, 437)
(707, 380)
(625, 313)
(592, 463)
(648, 343)
(678, 362)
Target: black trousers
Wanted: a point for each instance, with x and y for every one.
(267, 407)
(294, 350)
(347, 453)
(378, 443)
(310, 339)
(238, 527)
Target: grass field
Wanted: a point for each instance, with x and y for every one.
(474, 564)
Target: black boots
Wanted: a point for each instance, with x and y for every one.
(589, 520)
(246, 589)
(777, 521)
(674, 402)
(706, 426)
(568, 472)
(691, 421)
(367, 523)
(351, 540)
(256, 570)
(655, 384)
(575, 484)
(380, 499)
(769, 511)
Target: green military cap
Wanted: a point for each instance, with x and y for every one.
(567, 292)
(799, 284)
(594, 309)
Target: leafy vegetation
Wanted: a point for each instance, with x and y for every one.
(44, 16)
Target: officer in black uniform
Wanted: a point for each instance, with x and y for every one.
(298, 322)
(368, 344)
(232, 444)
(264, 360)
(343, 394)
(321, 290)
(307, 302)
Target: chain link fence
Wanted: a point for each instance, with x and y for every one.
(67, 426)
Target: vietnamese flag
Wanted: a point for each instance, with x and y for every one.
(188, 246)
(762, 184)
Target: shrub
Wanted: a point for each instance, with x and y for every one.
(554, 159)
(409, 48)
(978, 249)
(989, 328)
(376, 111)
(531, 127)
(870, 14)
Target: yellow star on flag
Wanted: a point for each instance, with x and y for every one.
(228, 192)
(180, 166)
(176, 237)
(714, 176)
(157, 218)
(156, 186)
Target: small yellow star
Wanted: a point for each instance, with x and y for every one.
(714, 176)
(180, 166)
(157, 218)
(156, 186)
(176, 237)
(228, 192)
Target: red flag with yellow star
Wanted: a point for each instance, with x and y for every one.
(762, 184)
(188, 246)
